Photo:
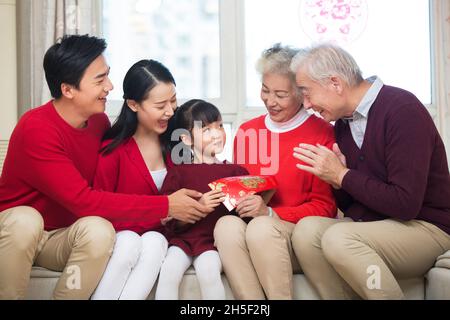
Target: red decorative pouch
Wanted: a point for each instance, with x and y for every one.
(238, 187)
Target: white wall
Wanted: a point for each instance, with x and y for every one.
(8, 68)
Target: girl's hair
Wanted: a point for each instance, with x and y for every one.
(142, 77)
(192, 111)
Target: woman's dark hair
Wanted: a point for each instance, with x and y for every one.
(67, 61)
(142, 77)
(192, 111)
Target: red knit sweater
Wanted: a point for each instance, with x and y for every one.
(50, 166)
(299, 194)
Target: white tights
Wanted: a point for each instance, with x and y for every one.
(133, 268)
(208, 269)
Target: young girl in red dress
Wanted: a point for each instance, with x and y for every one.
(201, 138)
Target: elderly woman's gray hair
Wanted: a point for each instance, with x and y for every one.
(327, 60)
(277, 60)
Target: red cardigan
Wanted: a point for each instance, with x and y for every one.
(299, 194)
(124, 171)
(50, 166)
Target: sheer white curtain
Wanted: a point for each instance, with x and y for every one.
(442, 54)
(40, 24)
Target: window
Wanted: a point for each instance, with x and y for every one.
(182, 34)
(211, 46)
(383, 39)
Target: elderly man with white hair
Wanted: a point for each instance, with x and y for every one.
(391, 179)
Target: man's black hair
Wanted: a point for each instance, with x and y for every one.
(67, 61)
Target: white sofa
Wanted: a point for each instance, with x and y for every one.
(435, 285)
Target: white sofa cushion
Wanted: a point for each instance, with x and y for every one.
(44, 281)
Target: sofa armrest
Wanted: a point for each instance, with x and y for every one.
(443, 261)
(438, 279)
(438, 284)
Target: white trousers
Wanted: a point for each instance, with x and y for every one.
(208, 268)
(133, 268)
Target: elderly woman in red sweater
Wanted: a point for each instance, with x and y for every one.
(257, 257)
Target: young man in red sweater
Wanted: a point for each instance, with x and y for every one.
(49, 214)
(391, 180)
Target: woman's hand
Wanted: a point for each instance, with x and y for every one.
(212, 199)
(251, 207)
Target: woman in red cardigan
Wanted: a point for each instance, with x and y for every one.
(134, 161)
(258, 258)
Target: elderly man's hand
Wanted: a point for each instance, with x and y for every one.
(327, 165)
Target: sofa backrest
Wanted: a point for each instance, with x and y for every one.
(3, 148)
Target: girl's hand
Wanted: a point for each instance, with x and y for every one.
(212, 199)
(184, 206)
(251, 207)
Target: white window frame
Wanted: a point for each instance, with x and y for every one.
(233, 100)
(436, 75)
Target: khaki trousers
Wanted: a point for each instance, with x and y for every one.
(344, 259)
(257, 258)
(81, 252)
